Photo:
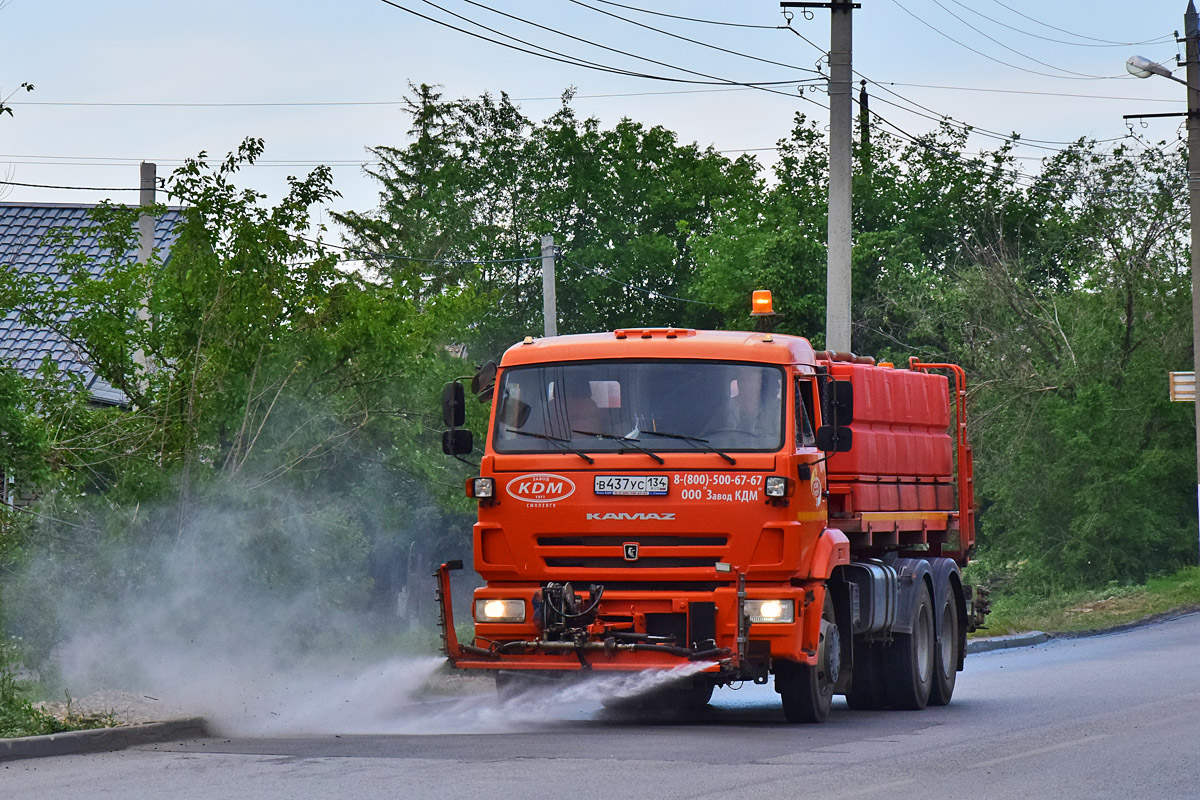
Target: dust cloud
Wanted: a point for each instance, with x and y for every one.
(248, 619)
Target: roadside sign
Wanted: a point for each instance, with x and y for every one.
(1183, 387)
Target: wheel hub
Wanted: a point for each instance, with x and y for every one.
(831, 655)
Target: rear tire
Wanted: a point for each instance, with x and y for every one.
(910, 658)
(807, 691)
(945, 669)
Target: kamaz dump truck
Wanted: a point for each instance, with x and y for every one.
(658, 497)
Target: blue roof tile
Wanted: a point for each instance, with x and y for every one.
(23, 228)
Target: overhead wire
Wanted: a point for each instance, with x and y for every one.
(73, 188)
(994, 40)
(966, 46)
(1072, 33)
(555, 55)
(1021, 179)
(396, 257)
(322, 103)
(651, 292)
(687, 19)
(1025, 92)
(687, 38)
(1041, 144)
(575, 62)
(1024, 32)
(939, 117)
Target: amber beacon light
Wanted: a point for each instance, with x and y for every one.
(760, 303)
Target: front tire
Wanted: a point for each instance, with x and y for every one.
(910, 658)
(807, 691)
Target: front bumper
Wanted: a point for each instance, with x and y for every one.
(729, 646)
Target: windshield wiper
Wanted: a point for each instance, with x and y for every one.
(694, 440)
(616, 438)
(565, 443)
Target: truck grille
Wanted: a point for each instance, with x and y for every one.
(645, 541)
(645, 562)
(655, 551)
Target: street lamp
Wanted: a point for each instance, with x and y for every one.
(1144, 68)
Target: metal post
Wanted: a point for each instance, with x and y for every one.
(837, 281)
(549, 301)
(864, 127)
(1191, 27)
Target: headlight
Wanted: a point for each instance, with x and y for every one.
(499, 610)
(771, 610)
(776, 486)
(481, 488)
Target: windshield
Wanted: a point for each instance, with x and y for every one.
(663, 406)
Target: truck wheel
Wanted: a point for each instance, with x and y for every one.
(946, 661)
(866, 685)
(807, 691)
(910, 658)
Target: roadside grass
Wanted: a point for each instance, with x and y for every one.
(1093, 609)
(20, 717)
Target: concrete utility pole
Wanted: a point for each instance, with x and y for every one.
(145, 241)
(146, 221)
(1191, 27)
(549, 301)
(841, 116)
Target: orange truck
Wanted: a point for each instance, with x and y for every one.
(734, 503)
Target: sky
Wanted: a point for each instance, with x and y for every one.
(92, 63)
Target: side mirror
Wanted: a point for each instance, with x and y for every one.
(457, 442)
(840, 397)
(483, 385)
(834, 440)
(835, 436)
(454, 405)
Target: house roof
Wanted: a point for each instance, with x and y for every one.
(23, 227)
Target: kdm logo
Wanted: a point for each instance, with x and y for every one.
(541, 488)
(626, 516)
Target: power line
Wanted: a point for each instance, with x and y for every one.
(574, 61)
(564, 60)
(687, 19)
(1043, 144)
(74, 188)
(651, 292)
(1050, 38)
(589, 42)
(1016, 51)
(323, 103)
(1034, 182)
(688, 39)
(395, 257)
(942, 33)
(1025, 92)
(1080, 35)
(555, 55)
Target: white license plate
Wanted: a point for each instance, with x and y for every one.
(654, 485)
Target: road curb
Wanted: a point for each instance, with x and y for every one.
(1004, 642)
(101, 739)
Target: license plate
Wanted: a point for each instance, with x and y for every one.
(653, 485)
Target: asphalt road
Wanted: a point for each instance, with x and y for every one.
(1114, 716)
